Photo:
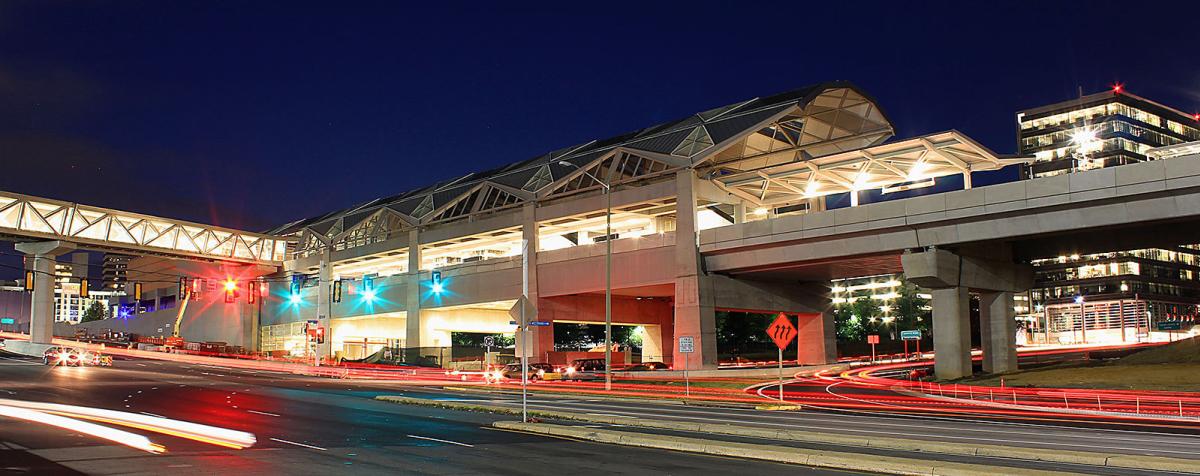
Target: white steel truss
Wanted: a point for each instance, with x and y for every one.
(901, 165)
(24, 216)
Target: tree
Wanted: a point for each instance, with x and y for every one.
(847, 326)
(743, 332)
(868, 312)
(910, 309)
(94, 312)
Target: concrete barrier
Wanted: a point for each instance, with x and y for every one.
(1158, 463)
(25, 347)
(773, 453)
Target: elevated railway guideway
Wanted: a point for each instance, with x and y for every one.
(45, 228)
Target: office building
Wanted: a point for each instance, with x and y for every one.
(1121, 295)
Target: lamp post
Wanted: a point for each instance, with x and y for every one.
(607, 274)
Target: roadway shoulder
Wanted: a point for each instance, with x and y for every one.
(779, 454)
(837, 439)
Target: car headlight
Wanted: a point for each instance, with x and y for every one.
(570, 370)
(541, 372)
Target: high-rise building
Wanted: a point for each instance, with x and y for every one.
(1099, 130)
(1118, 295)
(114, 271)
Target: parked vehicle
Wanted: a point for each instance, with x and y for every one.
(584, 369)
(644, 366)
(536, 371)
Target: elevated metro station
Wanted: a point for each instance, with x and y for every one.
(547, 223)
(748, 207)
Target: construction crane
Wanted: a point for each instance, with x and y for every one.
(175, 341)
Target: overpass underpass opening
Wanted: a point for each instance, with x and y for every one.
(649, 308)
(360, 337)
(742, 338)
(439, 326)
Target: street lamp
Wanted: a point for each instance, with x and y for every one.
(607, 273)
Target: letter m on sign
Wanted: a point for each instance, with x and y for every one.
(782, 331)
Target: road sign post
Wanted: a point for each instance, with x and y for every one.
(782, 332)
(911, 335)
(687, 345)
(873, 339)
(488, 342)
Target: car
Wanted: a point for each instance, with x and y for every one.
(537, 371)
(584, 369)
(1, 343)
(65, 356)
(644, 366)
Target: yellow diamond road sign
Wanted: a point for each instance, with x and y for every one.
(530, 310)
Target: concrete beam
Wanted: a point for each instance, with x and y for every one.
(940, 269)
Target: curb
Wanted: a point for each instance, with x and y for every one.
(778, 454)
(1155, 463)
(662, 400)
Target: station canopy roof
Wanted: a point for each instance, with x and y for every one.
(816, 140)
(900, 165)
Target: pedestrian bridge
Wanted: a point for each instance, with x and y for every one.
(26, 218)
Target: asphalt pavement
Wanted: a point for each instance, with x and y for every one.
(1043, 432)
(303, 425)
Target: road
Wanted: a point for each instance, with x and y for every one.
(303, 425)
(1041, 434)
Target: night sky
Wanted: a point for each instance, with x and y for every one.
(249, 114)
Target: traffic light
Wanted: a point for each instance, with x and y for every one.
(251, 293)
(137, 291)
(183, 288)
(83, 288)
(29, 280)
(337, 290)
(231, 291)
(436, 282)
(197, 286)
(320, 335)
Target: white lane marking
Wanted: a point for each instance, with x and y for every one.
(152, 414)
(299, 444)
(440, 441)
(263, 413)
(142, 365)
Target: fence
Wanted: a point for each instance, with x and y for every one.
(1118, 403)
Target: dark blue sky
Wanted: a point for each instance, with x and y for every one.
(252, 114)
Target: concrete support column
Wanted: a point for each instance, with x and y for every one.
(412, 335)
(652, 344)
(952, 332)
(817, 342)
(695, 311)
(41, 319)
(324, 304)
(542, 338)
(41, 311)
(998, 328)
(816, 332)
